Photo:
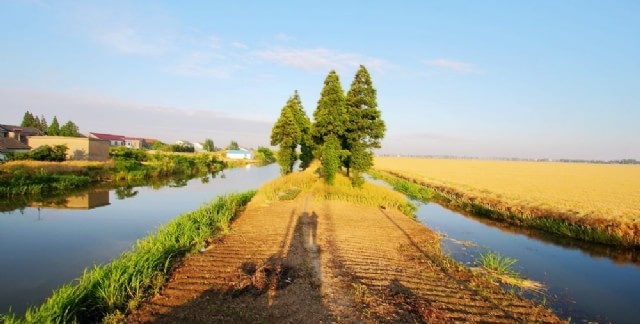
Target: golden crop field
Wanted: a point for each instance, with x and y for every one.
(603, 191)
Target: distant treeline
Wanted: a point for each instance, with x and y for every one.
(622, 161)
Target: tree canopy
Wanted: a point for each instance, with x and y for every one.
(233, 146)
(54, 128)
(365, 127)
(208, 145)
(287, 134)
(344, 131)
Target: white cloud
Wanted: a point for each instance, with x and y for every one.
(453, 65)
(239, 45)
(214, 42)
(319, 59)
(205, 65)
(128, 41)
(283, 37)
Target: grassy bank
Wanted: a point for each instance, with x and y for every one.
(576, 228)
(105, 292)
(308, 182)
(35, 178)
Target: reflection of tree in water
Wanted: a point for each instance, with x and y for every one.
(125, 192)
(177, 183)
(205, 179)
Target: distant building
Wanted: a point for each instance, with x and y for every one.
(135, 143)
(114, 140)
(78, 148)
(240, 154)
(10, 145)
(198, 147)
(19, 133)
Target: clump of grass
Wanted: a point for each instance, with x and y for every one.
(284, 186)
(368, 195)
(115, 288)
(496, 263)
(500, 268)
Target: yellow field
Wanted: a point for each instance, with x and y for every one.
(601, 191)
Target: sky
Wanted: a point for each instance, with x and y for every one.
(524, 79)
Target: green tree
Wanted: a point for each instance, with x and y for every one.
(330, 125)
(365, 128)
(265, 155)
(54, 128)
(233, 146)
(28, 120)
(70, 129)
(286, 133)
(304, 125)
(208, 145)
(330, 157)
(42, 124)
(330, 114)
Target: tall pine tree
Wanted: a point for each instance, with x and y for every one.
(365, 128)
(28, 120)
(54, 128)
(304, 125)
(286, 134)
(330, 114)
(330, 121)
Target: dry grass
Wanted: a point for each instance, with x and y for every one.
(308, 182)
(601, 194)
(54, 167)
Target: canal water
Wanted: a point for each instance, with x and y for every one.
(585, 282)
(43, 247)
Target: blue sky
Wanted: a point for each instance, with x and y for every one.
(537, 79)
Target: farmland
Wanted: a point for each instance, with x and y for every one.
(601, 196)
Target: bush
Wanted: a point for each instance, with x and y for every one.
(56, 153)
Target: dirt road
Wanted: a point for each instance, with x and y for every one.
(307, 261)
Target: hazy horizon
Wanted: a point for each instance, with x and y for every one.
(545, 79)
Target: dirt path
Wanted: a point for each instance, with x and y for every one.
(306, 261)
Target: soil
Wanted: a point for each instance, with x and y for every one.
(307, 261)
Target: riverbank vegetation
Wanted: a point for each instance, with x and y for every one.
(109, 291)
(310, 182)
(126, 167)
(596, 203)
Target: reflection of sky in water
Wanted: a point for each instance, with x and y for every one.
(581, 286)
(40, 250)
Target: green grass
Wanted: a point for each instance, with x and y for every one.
(107, 291)
(411, 189)
(20, 181)
(497, 263)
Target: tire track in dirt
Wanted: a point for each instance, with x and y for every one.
(309, 261)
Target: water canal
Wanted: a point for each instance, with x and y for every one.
(42, 248)
(587, 283)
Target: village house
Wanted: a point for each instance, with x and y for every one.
(240, 154)
(19, 133)
(135, 142)
(78, 148)
(114, 140)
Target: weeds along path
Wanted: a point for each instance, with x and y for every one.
(310, 261)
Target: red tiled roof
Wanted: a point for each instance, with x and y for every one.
(109, 137)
